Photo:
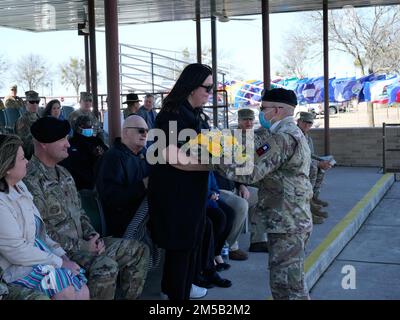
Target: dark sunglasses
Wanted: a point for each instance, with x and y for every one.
(208, 88)
(140, 130)
(33, 102)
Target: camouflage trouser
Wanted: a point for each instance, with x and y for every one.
(127, 258)
(3, 290)
(286, 265)
(316, 177)
(17, 292)
(257, 226)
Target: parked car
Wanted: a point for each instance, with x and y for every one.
(313, 108)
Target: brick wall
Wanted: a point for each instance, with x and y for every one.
(360, 146)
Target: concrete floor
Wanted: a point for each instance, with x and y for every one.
(374, 253)
(343, 188)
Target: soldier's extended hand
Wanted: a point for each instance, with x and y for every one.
(73, 266)
(92, 243)
(325, 165)
(101, 247)
(244, 192)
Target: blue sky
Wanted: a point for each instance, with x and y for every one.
(239, 41)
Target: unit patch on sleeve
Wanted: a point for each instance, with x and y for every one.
(263, 149)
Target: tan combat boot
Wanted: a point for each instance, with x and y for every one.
(316, 210)
(320, 202)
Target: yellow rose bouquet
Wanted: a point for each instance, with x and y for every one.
(218, 145)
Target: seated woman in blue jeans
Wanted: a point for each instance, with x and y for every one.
(28, 256)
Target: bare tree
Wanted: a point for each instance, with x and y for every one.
(370, 35)
(73, 73)
(32, 71)
(3, 68)
(294, 56)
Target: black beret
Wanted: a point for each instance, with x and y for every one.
(50, 129)
(280, 95)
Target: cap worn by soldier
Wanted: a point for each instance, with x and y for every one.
(246, 114)
(13, 87)
(50, 129)
(280, 95)
(32, 95)
(306, 117)
(86, 96)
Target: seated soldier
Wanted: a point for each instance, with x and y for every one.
(317, 169)
(23, 124)
(86, 104)
(258, 236)
(84, 153)
(57, 199)
(12, 100)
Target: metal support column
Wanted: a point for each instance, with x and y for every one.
(326, 78)
(214, 63)
(266, 47)
(198, 31)
(112, 61)
(87, 63)
(93, 61)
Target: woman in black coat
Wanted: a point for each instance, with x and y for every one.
(177, 199)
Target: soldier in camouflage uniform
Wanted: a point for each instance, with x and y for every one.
(85, 101)
(17, 292)
(281, 168)
(3, 287)
(258, 237)
(12, 100)
(23, 124)
(317, 168)
(58, 202)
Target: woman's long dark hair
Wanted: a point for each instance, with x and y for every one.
(9, 145)
(191, 78)
(49, 105)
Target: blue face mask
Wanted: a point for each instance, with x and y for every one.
(87, 132)
(264, 122)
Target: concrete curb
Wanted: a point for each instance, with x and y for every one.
(322, 256)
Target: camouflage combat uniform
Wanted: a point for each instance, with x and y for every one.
(97, 130)
(256, 224)
(14, 102)
(23, 130)
(316, 174)
(17, 292)
(58, 202)
(3, 287)
(2, 107)
(281, 169)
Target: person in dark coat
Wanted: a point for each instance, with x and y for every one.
(84, 153)
(122, 176)
(177, 199)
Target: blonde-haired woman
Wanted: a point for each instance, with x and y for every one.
(28, 256)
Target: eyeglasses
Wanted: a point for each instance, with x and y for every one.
(33, 102)
(208, 88)
(140, 130)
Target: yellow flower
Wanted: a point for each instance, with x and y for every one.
(215, 149)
